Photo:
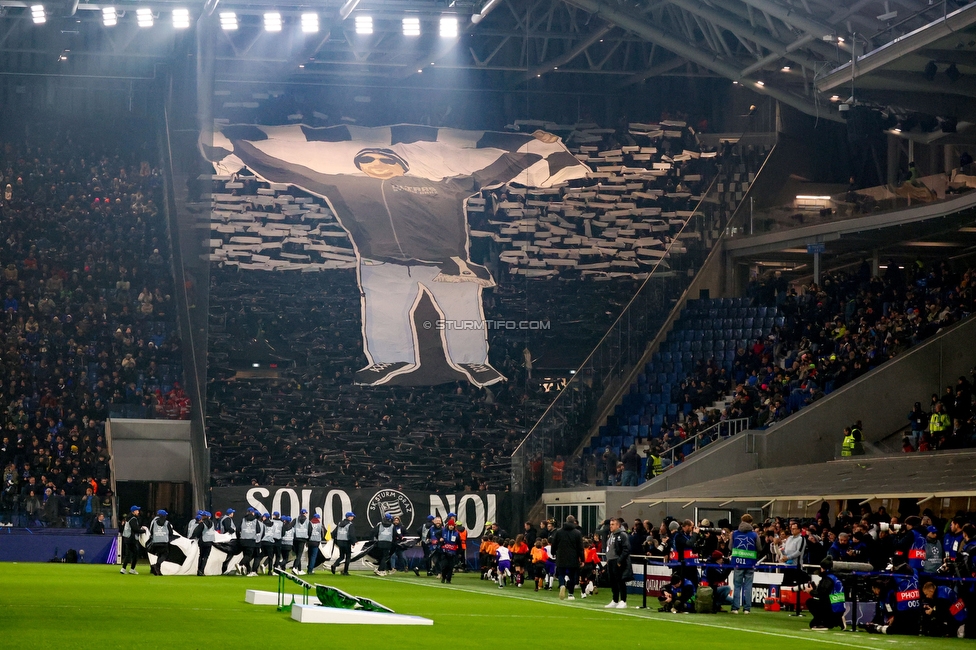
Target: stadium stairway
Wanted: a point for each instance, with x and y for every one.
(706, 329)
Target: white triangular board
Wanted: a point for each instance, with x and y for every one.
(258, 597)
(315, 614)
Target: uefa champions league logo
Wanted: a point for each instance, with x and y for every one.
(393, 502)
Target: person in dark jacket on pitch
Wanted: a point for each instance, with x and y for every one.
(205, 533)
(567, 548)
(344, 538)
(618, 563)
(385, 535)
(130, 543)
(449, 542)
(160, 534)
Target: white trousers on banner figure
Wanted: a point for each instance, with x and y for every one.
(391, 294)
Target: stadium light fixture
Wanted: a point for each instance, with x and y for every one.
(364, 24)
(110, 18)
(411, 26)
(310, 23)
(181, 18)
(228, 21)
(272, 21)
(144, 17)
(449, 26)
(37, 14)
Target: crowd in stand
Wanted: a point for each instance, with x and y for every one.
(310, 424)
(88, 321)
(833, 333)
(949, 422)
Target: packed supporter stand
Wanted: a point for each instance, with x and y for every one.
(88, 323)
(767, 355)
(572, 256)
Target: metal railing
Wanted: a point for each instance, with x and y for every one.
(676, 454)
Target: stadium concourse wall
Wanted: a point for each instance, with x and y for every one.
(881, 399)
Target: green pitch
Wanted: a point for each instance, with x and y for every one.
(90, 606)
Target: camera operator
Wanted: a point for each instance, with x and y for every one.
(910, 544)
(899, 608)
(678, 596)
(683, 550)
(952, 542)
(943, 611)
(826, 603)
(717, 577)
(707, 541)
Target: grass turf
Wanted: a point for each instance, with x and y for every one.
(93, 606)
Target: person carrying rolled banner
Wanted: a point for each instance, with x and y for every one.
(227, 526)
(425, 544)
(303, 528)
(193, 523)
(385, 534)
(160, 534)
(266, 556)
(205, 534)
(314, 539)
(248, 539)
(345, 537)
(287, 542)
(277, 526)
(130, 544)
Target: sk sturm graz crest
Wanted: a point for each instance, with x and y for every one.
(392, 502)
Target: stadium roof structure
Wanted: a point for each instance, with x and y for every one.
(914, 59)
(923, 477)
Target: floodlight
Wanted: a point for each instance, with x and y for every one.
(37, 14)
(228, 21)
(144, 17)
(364, 24)
(181, 18)
(449, 26)
(310, 23)
(411, 26)
(272, 21)
(110, 18)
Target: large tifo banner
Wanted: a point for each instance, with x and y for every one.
(473, 509)
(400, 194)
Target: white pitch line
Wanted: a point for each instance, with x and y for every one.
(816, 639)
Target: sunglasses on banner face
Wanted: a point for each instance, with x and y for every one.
(365, 160)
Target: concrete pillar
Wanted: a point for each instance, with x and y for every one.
(816, 268)
(875, 262)
(894, 157)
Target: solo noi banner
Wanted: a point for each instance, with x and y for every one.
(474, 509)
